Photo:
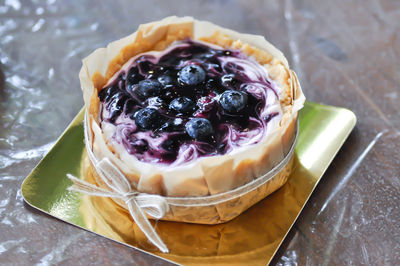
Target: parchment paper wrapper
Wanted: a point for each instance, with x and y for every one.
(248, 239)
(205, 176)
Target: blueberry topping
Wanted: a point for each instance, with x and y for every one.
(191, 75)
(147, 88)
(190, 95)
(106, 93)
(155, 102)
(139, 145)
(133, 77)
(169, 95)
(182, 105)
(119, 97)
(233, 68)
(213, 84)
(165, 80)
(148, 118)
(214, 68)
(224, 52)
(171, 144)
(114, 114)
(229, 80)
(122, 76)
(199, 128)
(116, 105)
(221, 148)
(173, 125)
(130, 105)
(144, 66)
(233, 101)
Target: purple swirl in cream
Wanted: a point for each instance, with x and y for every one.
(147, 106)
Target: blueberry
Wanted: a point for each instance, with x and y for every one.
(191, 75)
(116, 105)
(228, 80)
(147, 88)
(182, 105)
(173, 125)
(155, 102)
(143, 65)
(148, 118)
(199, 128)
(122, 76)
(133, 78)
(118, 96)
(133, 75)
(117, 101)
(165, 80)
(169, 95)
(213, 84)
(129, 105)
(106, 93)
(233, 101)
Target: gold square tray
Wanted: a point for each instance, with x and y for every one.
(252, 238)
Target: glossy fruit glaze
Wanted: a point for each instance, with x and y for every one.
(189, 101)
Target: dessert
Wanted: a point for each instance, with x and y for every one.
(191, 111)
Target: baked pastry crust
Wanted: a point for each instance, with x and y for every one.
(207, 175)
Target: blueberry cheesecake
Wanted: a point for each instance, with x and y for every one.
(185, 108)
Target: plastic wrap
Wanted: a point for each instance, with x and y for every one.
(353, 216)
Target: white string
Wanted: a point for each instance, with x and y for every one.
(154, 205)
(137, 203)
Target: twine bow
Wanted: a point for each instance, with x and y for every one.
(154, 205)
(138, 203)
